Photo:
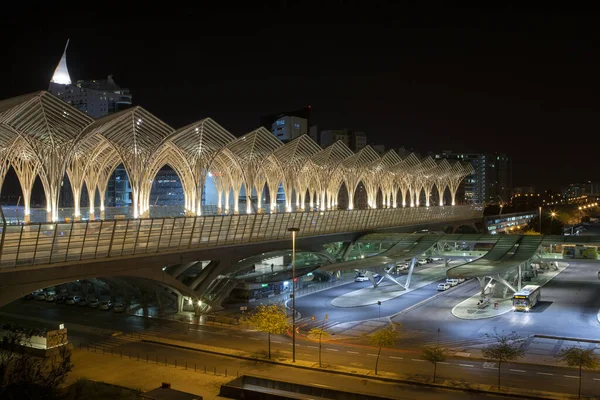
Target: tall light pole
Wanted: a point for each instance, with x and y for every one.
(293, 230)
(540, 220)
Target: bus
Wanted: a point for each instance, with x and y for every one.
(526, 298)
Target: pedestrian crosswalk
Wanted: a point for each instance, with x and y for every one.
(112, 342)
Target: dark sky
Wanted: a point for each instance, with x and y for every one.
(514, 80)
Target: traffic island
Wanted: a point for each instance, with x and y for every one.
(469, 309)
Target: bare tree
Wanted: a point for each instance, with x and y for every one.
(507, 347)
(582, 358)
(321, 333)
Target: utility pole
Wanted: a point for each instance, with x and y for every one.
(294, 231)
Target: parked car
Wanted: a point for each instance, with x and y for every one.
(40, 296)
(72, 300)
(422, 261)
(61, 299)
(106, 305)
(119, 308)
(443, 286)
(82, 302)
(361, 278)
(435, 258)
(93, 303)
(452, 282)
(30, 296)
(50, 298)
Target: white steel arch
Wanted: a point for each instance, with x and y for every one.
(42, 136)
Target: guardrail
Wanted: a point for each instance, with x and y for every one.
(47, 243)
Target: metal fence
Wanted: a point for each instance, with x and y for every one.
(47, 243)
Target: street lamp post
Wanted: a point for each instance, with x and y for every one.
(540, 220)
(293, 230)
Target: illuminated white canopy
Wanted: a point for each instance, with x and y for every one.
(61, 73)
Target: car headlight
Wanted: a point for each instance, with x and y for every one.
(526, 308)
(514, 308)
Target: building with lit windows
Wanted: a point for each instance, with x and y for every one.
(491, 180)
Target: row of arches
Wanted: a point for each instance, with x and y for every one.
(42, 136)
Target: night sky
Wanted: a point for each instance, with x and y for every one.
(520, 81)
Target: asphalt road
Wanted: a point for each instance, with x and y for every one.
(319, 304)
(392, 360)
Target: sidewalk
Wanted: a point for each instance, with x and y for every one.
(146, 375)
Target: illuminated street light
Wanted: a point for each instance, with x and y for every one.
(294, 231)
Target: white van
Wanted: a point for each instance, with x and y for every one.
(452, 282)
(443, 286)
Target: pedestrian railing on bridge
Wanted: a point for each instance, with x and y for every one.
(47, 243)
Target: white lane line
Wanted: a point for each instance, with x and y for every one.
(571, 376)
(443, 362)
(275, 341)
(397, 358)
(489, 367)
(209, 332)
(372, 355)
(332, 349)
(546, 373)
(596, 379)
(285, 351)
(352, 352)
(313, 347)
(254, 338)
(466, 365)
(318, 384)
(416, 359)
(237, 336)
(517, 370)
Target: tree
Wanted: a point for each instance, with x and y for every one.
(506, 348)
(26, 376)
(434, 354)
(582, 358)
(271, 319)
(384, 337)
(321, 333)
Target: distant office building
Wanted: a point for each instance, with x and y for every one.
(379, 148)
(166, 189)
(592, 188)
(573, 190)
(288, 125)
(354, 140)
(522, 190)
(313, 132)
(491, 181)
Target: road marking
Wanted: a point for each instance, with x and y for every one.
(416, 359)
(596, 379)
(332, 349)
(571, 376)
(372, 355)
(313, 347)
(466, 365)
(490, 367)
(397, 358)
(442, 362)
(237, 336)
(352, 352)
(254, 338)
(318, 384)
(212, 333)
(517, 370)
(545, 373)
(285, 351)
(275, 341)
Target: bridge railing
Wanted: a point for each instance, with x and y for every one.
(47, 243)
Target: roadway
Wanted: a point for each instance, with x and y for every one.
(577, 314)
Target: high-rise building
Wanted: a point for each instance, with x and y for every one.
(288, 125)
(354, 140)
(97, 98)
(491, 181)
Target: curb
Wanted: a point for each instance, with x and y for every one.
(354, 375)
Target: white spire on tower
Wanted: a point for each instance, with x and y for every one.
(61, 73)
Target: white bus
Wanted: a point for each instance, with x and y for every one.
(526, 298)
